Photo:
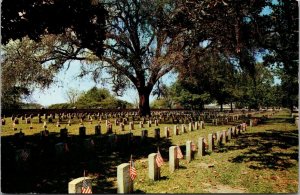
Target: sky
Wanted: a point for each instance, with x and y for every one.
(67, 79)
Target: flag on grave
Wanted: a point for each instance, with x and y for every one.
(193, 146)
(85, 189)
(159, 160)
(179, 153)
(132, 170)
(205, 142)
(66, 147)
(24, 155)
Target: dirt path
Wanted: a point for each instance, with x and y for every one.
(223, 189)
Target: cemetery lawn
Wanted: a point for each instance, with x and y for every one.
(264, 159)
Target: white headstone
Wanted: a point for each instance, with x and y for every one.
(125, 184)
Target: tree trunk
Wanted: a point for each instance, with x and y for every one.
(231, 109)
(144, 106)
(221, 108)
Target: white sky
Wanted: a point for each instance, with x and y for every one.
(67, 79)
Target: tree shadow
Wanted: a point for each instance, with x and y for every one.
(49, 170)
(271, 149)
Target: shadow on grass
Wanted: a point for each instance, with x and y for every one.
(279, 120)
(48, 170)
(271, 149)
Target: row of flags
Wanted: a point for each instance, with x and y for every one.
(85, 189)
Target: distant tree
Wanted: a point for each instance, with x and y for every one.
(61, 106)
(99, 98)
(264, 94)
(31, 106)
(164, 96)
(72, 95)
(187, 99)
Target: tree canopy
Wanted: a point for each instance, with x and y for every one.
(137, 42)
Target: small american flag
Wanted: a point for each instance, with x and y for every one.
(92, 142)
(66, 147)
(132, 170)
(24, 155)
(178, 153)
(205, 142)
(159, 160)
(193, 146)
(85, 189)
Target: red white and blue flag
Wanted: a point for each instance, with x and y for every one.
(85, 189)
(132, 170)
(159, 160)
(178, 153)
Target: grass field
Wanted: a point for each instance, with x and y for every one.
(264, 159)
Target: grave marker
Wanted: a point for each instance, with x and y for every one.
(190, 127)
(173, 160)
(27, 120)
(64, 133)
(167, 132)
(75, 186)
(157, 133)
(122, 126)
(175, 130)
(188, 151)
(229, 134)
(210, 142)
(131, 126)
(153, 169)
(219, 137)
(201, 146)
(82, 131)
(156, 122)
(144, 134)
(97, 129)
(224, 137)
(202, 125)
(183, 128)
(125, 184)
(16, 121)
(141, 124)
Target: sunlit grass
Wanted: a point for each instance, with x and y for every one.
(237, 167)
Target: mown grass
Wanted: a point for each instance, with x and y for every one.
(264, 159)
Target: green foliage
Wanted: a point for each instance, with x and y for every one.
(262, 93)
(160, 104)
(31, 106)
(187, 99)
(61, 106)
(94, 98)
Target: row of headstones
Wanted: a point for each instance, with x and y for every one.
(124, 181)
(62, 147)
(164, 116)
(144, 133)
(106, 115)
(125, 184)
